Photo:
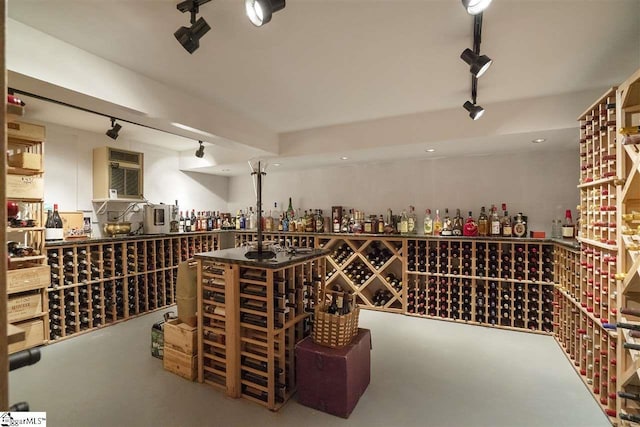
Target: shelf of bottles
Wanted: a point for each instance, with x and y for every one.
(100, 283)
(284, 239)
(251, 319)
(628, 273)
(370, 268)
(500, 283)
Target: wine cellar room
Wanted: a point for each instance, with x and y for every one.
(321, 212)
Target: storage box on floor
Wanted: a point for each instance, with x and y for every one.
(180, 351)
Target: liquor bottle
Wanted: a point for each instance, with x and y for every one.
(470, 226)
(519, 226)
(458, 224)
(412, 221)
(252, 219)
(428, 223)
(181, 223)
(381, 225)
(495, 222)
(404, 222)
(437, 224)
(53, 225)
(290, 212)
(319, 222)
(336, 220)
(193, 220)
(344, 226)
(211, 221)
(447, 226)
(284, 222)
(483, 223)
(352, 221)
(506, 222)
(310, 222)
(567, 226)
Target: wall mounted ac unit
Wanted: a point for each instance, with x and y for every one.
(116, 169)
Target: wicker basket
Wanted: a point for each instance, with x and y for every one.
(332, 330)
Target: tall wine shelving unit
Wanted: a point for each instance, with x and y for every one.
(628, 266)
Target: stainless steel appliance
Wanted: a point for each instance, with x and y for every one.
(157, 218)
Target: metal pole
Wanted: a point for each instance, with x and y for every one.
(259, 208)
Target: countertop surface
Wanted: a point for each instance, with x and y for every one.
(282, 258)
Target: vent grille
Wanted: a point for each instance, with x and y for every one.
(124, 156)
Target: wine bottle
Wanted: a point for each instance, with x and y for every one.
(630, 311)
(567, 227)
(458, 224)
(629, 417)
(53, 226)
(483, 223)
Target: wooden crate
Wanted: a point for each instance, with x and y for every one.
(182, 364)
(180, 336)
(33, 276)
(24, 306)
(21, 187)
(26, 131)
(34, 335)
(25, 160)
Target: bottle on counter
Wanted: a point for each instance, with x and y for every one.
(519, 226)
(447, 226)
(404, 222)
(181, 223)
(53, 225)
(187, 222)
(568, 228)
(458, 224)
(252, 219)
(507, 229)
(428, 223)
(319, 222)
(194, 220)
(290, 212)
(495, 222)
(412, 220)
(470, 226)
(483, 223)
(437, 224)
(380, 225)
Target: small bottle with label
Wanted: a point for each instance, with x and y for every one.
(567, 227)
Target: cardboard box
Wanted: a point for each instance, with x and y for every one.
(25, 131)
(24, 306)
(185, 365)
(24, 187)
(537, 234)
(180, 336)
(25, 279)
(25, 161)
(34, 335)
(72, 224)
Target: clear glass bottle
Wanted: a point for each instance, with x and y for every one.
(447, 226)
(412, 220)
(428, 223)
(404, 222)
(495, 222)
(437, 224)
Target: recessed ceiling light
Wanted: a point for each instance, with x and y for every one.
(430, 150)
(276, 164)
(538, 140)
(344, 158)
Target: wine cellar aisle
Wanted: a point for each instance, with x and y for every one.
(117, 358)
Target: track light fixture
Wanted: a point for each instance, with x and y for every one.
(189, 37)
(115, 128)
(200, 151)
(478, 63)
(475, 111)
(260, 11)
(474, 7)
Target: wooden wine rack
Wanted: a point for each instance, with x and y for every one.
(252, 318)
(302, 240)
(589, 346)
(628, 266)
(96, 283)
(351, 266)
(502, 283)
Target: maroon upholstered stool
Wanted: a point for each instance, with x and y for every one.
(332, 380)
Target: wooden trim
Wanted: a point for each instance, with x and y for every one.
(4, 362)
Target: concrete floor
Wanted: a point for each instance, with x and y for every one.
(424, 373)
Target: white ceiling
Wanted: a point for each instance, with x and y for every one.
(328, 62)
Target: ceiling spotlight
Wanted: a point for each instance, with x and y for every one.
(475, 111)
(276, 164)
(430, 150)
(115, 128)
(475, 7)
(478, 63)
(260, 11)
(189, 37)
(538, 140)
(344, 158)
(200, 151)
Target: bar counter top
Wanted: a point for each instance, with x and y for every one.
(282, 259)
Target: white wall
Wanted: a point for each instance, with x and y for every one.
(541, 185)
(68, 173)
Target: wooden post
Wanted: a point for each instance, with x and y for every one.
(232, 329)
(4, 362)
